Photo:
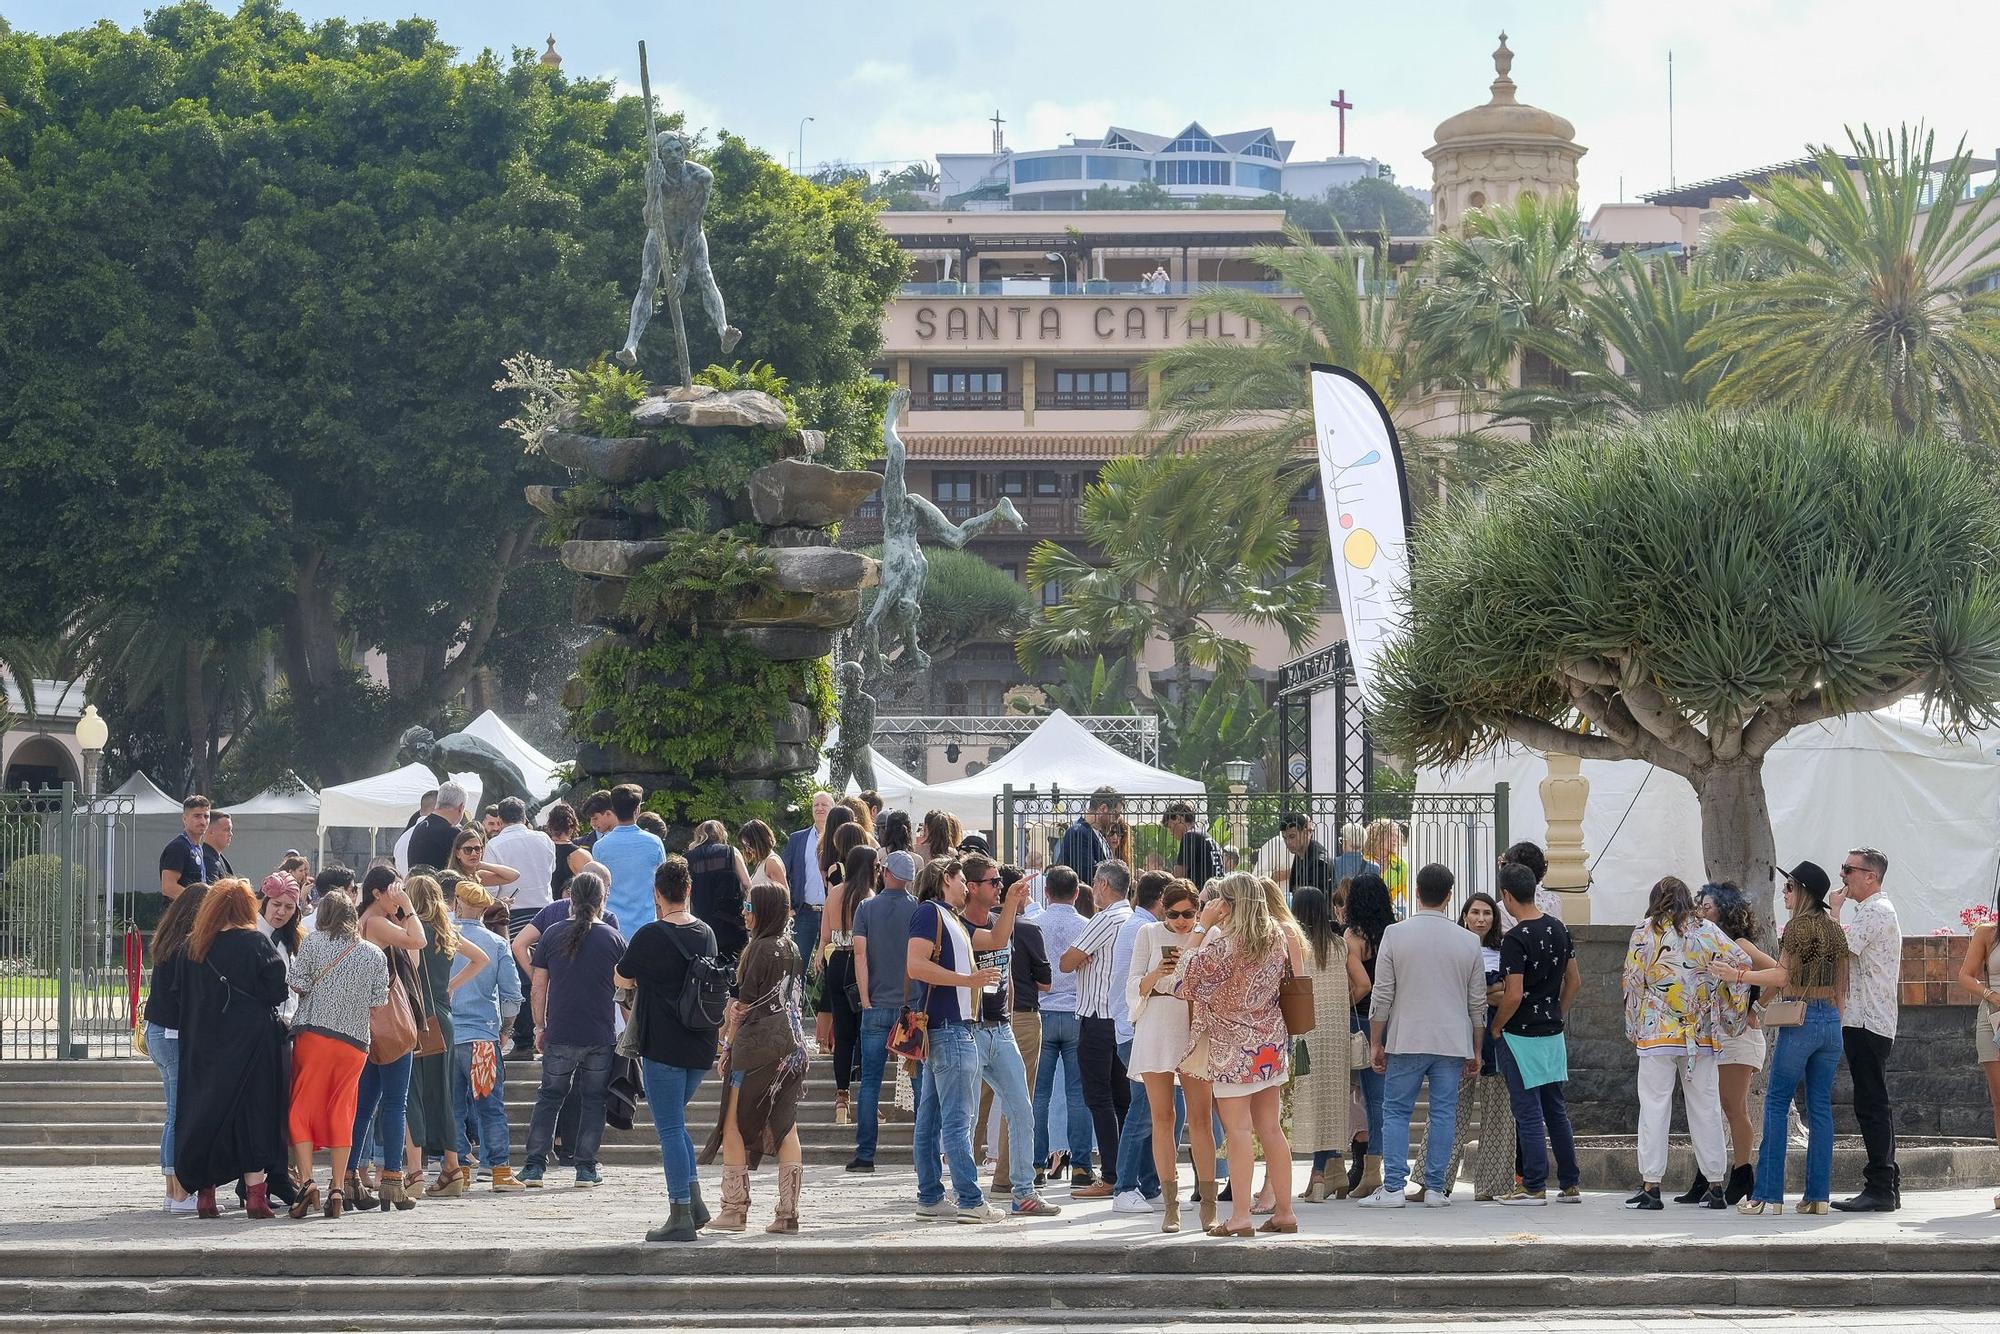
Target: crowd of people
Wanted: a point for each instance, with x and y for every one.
(1080, 1017)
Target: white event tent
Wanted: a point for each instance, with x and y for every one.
(537, 768)
(1889, 779)
(1060, 753)
(265, 826)
(386, 801)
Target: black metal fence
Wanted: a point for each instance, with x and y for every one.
(67, 892)
(1463, 832)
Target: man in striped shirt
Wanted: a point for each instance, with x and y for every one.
(1107, 1091)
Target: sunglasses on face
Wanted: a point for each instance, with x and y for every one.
(989, 880)
(1852, 870)
(748, 906)
(1181, 915)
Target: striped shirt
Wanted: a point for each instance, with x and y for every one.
(1095, 980)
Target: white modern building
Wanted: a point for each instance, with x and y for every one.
(1245, 164)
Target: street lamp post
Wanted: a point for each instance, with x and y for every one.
(91, 734)
(1058, 257)
(802, 144)
(1238, 773)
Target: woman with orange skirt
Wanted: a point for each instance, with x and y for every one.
(339, 977)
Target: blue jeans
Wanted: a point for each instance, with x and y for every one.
(489, 1113)
(165, 1053)
(1135, 1140)
(1372, 1089)
(1001, 1067)
(590, 1069)
(1061, 1033)
(670, 1088)
(805, 932)
(876, 1021)
(1808, 1052)
(1541, 1121)
(1407, 1072)
(947, 1100)
(384, 1088)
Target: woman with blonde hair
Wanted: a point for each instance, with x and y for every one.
(1383, 845)
(433, 1123)
(1238, 1045)
(232, 1095)
(338, 978)
(389, 922)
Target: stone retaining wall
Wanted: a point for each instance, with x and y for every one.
(1937, 1085)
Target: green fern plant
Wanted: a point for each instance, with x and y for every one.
(702, 575)
(606, 396)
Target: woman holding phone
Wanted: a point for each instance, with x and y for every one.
(1160, 1034)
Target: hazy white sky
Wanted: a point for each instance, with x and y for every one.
(894, 80)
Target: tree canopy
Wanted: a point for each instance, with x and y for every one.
(262, 275)
(1687, 589)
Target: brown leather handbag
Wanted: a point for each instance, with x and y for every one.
(1295, 1000)
(430, 1033)
(392, 1025)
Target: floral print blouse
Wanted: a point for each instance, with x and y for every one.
(1671, 1003)
(1233, 1002)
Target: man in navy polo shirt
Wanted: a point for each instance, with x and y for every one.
(181, 861)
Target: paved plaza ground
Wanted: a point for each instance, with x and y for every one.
(1927, 1268)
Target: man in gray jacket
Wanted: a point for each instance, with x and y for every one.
(1425, 1015)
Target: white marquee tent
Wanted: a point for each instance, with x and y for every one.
(537, 768)
(1060, 753)
(265, 826)
(899, 788)
(386, 801)
(1888, 779)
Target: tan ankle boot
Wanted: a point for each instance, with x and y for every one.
(1371, 1176)
(785, 1218)
(735, 1200)
(1208, 1191)
(505, 1181)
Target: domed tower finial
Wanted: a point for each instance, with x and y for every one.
(1503, 63)
(549, 57)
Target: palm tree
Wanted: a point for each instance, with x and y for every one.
(1645, 313)
(1184, 540)
(1516, 273)
(21, 662)
(1252, 393)
(1869, 305)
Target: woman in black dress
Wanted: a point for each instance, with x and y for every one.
(857, 881)
(230, 1116)
(720, 884)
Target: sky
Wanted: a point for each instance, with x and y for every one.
(892, 81)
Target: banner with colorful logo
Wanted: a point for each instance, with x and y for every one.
(1367, 511)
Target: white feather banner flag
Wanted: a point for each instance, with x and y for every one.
(1367, 512)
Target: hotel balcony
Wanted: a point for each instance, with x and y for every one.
(1002, 400)
(1090, 400)
(1045, 518)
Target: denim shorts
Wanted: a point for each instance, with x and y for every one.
(736, 1079)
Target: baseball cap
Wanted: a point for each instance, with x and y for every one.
(901, 865)
(1811, 875)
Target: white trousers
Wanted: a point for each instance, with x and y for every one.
(1700, 1094)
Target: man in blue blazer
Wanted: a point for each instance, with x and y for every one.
(801, 858)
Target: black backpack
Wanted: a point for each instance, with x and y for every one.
(705, 994)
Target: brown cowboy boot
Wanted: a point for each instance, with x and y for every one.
(785, 1218)
(735, 1200)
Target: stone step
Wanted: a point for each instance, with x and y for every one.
(822, 1144)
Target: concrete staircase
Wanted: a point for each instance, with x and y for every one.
(110, 1113)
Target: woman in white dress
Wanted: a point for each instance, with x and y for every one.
(1160, 1029)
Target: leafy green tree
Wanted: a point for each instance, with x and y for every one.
(1224, 725)
(1631, 352)
(1689, 588)
(1253, 391)
(1086, 689)
(1181, 545)
(1868, 303)
(1515, 273)
(270, 271)
(1146, 195)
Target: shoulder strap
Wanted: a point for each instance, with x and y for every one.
(937, 948)
(323, 973)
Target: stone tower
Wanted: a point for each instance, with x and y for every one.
(1495, 153)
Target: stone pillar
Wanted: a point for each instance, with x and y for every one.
(1565, 793)
(1027, 391)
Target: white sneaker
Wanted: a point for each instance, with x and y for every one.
(1383, 1198)
(184, 1208)
(1436, 1199)
(1158, 1203)
(1130, 1202)
(981, 1213)
(941, 1212)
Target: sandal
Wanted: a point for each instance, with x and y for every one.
(308, 1199)
(1225, 1230)
(1273, 1225)
(336, 1203)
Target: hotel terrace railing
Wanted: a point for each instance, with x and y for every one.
(966, 400)
(1090, 400)
(1045, 518)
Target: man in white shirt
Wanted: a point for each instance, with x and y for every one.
(1868, 1021)
(1426, 1013)
(801, 858)
(529, 851)
(1107, 1091)
(1062, 926)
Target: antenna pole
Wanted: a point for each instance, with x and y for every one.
(1671, 180)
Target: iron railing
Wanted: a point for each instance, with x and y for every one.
(995, 400)
(1464, 832)
(68, 869)
(1090, 400)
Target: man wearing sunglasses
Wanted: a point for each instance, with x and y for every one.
(1868, 1021)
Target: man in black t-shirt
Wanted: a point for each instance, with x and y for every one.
(430, 841)
(1540, 979)
(182, 862)
(1001, 1067)
(215, 843)
(1198, 860)
(1310, 864)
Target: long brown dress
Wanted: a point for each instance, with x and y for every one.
(769, 1048)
